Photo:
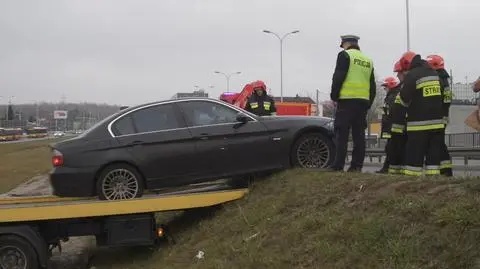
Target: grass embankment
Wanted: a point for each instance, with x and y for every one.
(20, 162)
(307, 219)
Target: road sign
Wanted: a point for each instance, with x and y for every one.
(60, 114)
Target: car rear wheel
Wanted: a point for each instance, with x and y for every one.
(119, 182)
(313, 150)
(17, 253)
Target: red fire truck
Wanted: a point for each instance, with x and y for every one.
(283, 108)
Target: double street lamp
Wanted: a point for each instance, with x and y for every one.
(281, 56)
(227, 76)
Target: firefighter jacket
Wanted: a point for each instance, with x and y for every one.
(387, 109)
(446, 92)
(263, 105)
(398, 114)
(422, 95)
(353, 79)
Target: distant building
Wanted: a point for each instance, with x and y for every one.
(199, 93)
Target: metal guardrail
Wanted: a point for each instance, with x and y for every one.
(455, 152)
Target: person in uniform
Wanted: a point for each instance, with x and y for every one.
(437, 63)
(353, 90)
(392, 88)
(422, 95)
(398, 117)
(260, 103)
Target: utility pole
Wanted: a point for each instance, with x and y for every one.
(408, 24)
(227, 76)
(281, 56)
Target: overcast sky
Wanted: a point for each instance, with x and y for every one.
(129, 52)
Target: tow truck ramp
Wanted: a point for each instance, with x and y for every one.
(31, 226)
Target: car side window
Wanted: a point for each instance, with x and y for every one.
(123, 126)
(155, 118)
(199, 113)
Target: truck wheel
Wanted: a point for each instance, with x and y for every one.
(312, 150)
(119, 182)
(17, 253)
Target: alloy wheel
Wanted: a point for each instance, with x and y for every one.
(313, 152)
(120, 184)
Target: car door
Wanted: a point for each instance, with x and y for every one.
(161, 145)
(224, 146)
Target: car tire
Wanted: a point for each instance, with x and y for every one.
(317, 142)
(119, 182)
(16, 252)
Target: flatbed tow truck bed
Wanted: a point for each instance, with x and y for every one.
(31, 227)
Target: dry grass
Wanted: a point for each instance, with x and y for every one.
(307, 219)
(20, 162)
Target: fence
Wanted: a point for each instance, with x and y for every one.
(464, 140)
(466, 146)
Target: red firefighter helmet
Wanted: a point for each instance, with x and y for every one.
(390, 82)
(406, 60)
(436, 61)
(259, 84)
(397, 67)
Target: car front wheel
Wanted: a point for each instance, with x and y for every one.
(313, 150)
(119, 182)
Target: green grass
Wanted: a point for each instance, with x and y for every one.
(307, 219)
(20, 162)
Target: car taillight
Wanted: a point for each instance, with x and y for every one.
(57, 158)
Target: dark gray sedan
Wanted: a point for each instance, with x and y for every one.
(184, 141)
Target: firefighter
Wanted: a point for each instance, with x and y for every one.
(391, 86)
(438, 64)
(353, 90)
(398, 116)
(260, 103)
(421, 94)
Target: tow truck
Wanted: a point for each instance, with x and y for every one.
(283, 108)
(32, 227)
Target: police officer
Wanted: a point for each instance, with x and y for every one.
(391, 86)
(437, 63)
(422, 95)
(260, 103)
(398, 116)
(353, 89)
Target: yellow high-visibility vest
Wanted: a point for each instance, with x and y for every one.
(357, 82)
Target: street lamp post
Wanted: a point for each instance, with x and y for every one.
(8, 112)
(281, 56)
(227, 76)
(408, 24)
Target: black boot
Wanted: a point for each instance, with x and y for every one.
(384, 170)
(448, 172)
(354, 170)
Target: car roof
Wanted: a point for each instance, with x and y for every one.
(169, 101)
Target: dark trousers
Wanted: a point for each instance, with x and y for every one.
(386, 162)
(423, 145)
(445, 160)
(350, 115)
(396, 153)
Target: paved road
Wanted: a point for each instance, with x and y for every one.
(33, 139)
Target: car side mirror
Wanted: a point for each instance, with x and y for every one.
(242, 118)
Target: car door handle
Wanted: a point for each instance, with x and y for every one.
(203, 136)
(136, 143)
